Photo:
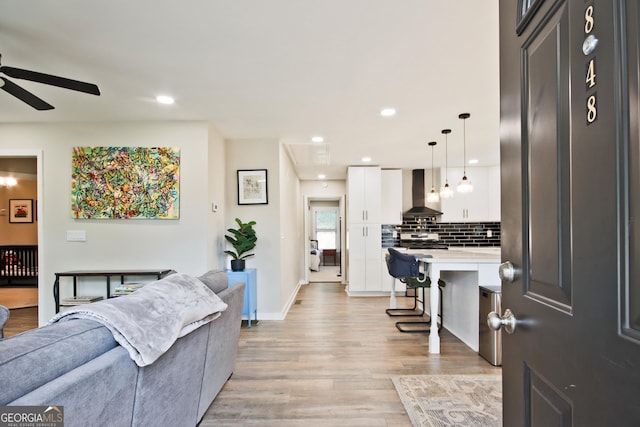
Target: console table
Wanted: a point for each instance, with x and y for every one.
(249, 278)
(157, 273)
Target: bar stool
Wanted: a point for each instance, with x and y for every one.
(406, 268)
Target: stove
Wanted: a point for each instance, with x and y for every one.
(421, 241)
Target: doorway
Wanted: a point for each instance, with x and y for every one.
(325, 236)
(19, 235)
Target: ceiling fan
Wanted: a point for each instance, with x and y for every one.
(26, 96)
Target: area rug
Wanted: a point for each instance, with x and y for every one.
(451, 400)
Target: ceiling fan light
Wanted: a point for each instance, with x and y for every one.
(465, 186)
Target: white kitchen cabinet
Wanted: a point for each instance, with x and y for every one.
(364, 185)
(482, 204)
(364, 242)
(364, 189)
(391, 204)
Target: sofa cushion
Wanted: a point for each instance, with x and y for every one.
(101, 392)
(35, 357)
(216, 280)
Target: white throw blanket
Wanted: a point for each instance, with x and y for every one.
(148, 321)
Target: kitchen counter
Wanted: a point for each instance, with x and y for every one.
(464, 270)
(479, 255)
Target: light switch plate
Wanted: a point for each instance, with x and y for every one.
(76, 236)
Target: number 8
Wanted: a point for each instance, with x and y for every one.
(588, 19)
(592, 112)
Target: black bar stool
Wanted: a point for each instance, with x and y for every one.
(406, 268)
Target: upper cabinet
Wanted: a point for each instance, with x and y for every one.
(391, 206)
(364, 194)
(482, 204)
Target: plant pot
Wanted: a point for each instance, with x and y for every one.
(237, 265)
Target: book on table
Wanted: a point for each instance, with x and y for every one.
(82, 299)
(126, 289)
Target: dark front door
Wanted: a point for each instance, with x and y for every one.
(571, 211)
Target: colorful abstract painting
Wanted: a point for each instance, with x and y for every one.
(125, 183)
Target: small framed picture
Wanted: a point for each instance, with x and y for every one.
(20, 210)
(252, 187)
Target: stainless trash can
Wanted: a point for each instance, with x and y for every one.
(490, 342)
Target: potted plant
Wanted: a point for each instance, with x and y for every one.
(243, 239)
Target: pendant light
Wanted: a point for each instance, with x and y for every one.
(465, 185)
(433, 196)
(446, 192)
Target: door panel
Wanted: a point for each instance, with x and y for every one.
(545, 89)
(570, 210)
(630, 160)
(548, 407)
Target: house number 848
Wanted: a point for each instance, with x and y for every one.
(590, 78)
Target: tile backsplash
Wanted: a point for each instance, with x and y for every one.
(472, 234)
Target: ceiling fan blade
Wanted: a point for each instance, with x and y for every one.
(24, 95)
(48, 79)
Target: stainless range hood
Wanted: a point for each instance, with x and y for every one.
(418, 196)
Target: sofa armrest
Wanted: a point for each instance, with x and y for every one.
(222, 349)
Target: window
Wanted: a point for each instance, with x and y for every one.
(326, 228)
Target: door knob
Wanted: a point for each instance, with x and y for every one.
(509, 272)
(509, 321)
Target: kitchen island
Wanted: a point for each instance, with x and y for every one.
(464, 270)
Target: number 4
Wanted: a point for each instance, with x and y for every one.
(591, 74)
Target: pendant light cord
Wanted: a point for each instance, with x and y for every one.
(464, 117)
(464, 146)
(446, 158)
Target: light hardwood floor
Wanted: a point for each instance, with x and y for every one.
(329, 363)
(20, 320)
(19, 297)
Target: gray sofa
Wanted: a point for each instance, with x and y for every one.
(77, 364)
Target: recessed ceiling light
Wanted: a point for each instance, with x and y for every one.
(366, 159)
(473, 161)
(388, 112)
(322, 176)
(164, 99)
(317, 138)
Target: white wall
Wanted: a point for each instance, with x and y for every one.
(181, 244)
(258, 154)
(292, 236)
(192, 244)
(315, 189)
(217, 187)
